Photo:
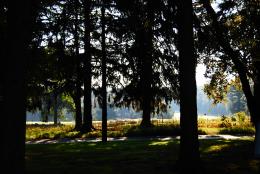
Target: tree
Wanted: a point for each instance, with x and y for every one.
(148, 55)
(18, 20)
(78, 90)
(189, 144)
(147, 63)
(104, 74)
(87, 73)
(238, 50)
(237, 100)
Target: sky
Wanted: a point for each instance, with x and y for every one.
(200, 70)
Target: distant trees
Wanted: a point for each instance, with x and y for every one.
(237, 100)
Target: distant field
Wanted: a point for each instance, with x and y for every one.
(138, 120)
(175, 117)
(130, 128)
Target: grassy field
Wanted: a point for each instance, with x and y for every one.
(138, 157)
(130, 128)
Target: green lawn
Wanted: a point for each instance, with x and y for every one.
(134, 157)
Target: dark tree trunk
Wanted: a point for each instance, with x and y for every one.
(77, 100)
(45, 115)
(78, 114)
(147, 63)
(55, 108)
(104, 77)
(189, 145)
(18, 35)
(87, 117)
(256, 100)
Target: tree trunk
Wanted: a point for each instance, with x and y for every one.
(55, 109)
(257, 140)
(78, 114)
(189, 156)
(147, 63)
(256, 119)
(104, 77)
(78, 119)
(18, 35)
(87, 117)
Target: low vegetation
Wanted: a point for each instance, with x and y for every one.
(238, 124)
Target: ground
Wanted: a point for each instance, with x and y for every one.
(138, 156)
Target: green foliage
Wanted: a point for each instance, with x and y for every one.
(238, 120)
(241, 117)
(225, 121)
(237, 100)
(237, 130)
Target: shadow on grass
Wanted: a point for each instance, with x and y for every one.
(149, 156)
(229, 156)
(162, 130)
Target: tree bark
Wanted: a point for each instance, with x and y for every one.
(104, 76)
(87, 74)
(189, 156)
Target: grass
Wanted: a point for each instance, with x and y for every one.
(139, 157)
(226, 125)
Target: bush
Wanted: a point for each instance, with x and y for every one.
(241, 117)
(238, 131)
(225, 122)
(161, 130)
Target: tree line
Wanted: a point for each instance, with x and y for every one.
(144, 51)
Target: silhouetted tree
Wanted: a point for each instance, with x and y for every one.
(104, 74)
(148, 52)
(189, 157)
(78, 90)
(87, 73)
(19, 17)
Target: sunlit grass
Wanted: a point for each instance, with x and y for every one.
(160, 143)
(121, 128)
(216, 148)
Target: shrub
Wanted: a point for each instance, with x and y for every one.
(241, 117)
(225, 122)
